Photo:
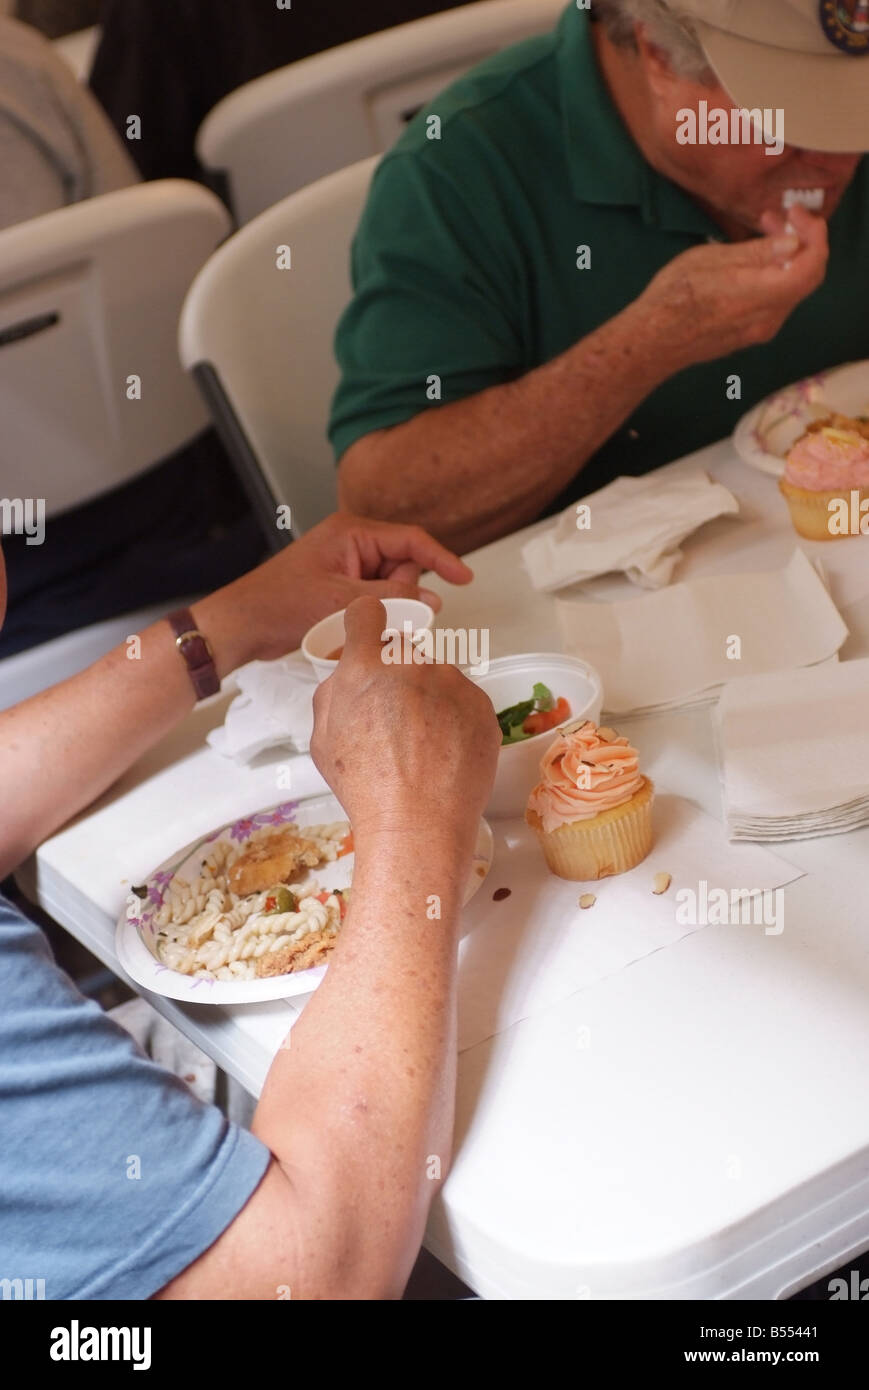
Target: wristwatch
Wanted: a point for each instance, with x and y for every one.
(196, 651)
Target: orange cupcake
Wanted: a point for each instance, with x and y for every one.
(592, 808)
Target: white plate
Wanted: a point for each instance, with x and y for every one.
(134, 925)
(845, 389)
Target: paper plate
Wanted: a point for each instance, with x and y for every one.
(845, 389)
(136, 927)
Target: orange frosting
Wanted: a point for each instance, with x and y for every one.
(581, 775)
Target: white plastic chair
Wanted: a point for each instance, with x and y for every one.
(306, 120)
(259, 342)
(89, 300)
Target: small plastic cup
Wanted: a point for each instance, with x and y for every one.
(323, 643)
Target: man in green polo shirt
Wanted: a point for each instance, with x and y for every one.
(579, 261)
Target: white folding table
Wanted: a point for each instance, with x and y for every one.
(696, 1126)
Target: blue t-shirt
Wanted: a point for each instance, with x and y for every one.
(113, 1177)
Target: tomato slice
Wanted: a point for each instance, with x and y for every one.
(346, 845)
(342, 901)
(542, 720)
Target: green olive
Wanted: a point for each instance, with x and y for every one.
(285, 901)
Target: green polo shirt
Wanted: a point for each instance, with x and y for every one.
(465, 261)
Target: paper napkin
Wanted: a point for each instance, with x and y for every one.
(536, 946)
(679, 646)
(634, 524)
(273, 708)
(794, 752)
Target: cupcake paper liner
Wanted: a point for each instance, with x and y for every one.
(610, 843)
(810, 511)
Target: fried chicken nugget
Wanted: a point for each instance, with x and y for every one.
(272, 860)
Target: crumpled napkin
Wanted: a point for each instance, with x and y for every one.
(273, 707)
(634, 524)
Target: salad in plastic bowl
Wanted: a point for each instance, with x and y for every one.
(531, 717)
(532, 695)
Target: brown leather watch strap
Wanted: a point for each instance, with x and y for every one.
(196, 651)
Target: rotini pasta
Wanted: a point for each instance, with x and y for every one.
(203, 928)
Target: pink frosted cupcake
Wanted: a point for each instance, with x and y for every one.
(824, 468)
(592, 808)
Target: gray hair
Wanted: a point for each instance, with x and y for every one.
(665, 27)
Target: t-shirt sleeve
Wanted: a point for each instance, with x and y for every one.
(433, 317)
(56, 145)
(109, 165)
(113, 1177)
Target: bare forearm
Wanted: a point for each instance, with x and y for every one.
(63, 748)
(479, 468)
(358, 1107)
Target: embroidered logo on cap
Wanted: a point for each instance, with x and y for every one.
(846, 24)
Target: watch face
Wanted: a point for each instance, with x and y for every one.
(846, 24)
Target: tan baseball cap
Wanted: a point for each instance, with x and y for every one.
(808, 58)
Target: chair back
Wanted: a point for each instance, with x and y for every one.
(92, 392)
(259, 340)
(282, 131)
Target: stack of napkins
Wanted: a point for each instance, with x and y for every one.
(679, 646)
(794, 752)
(633, 524)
